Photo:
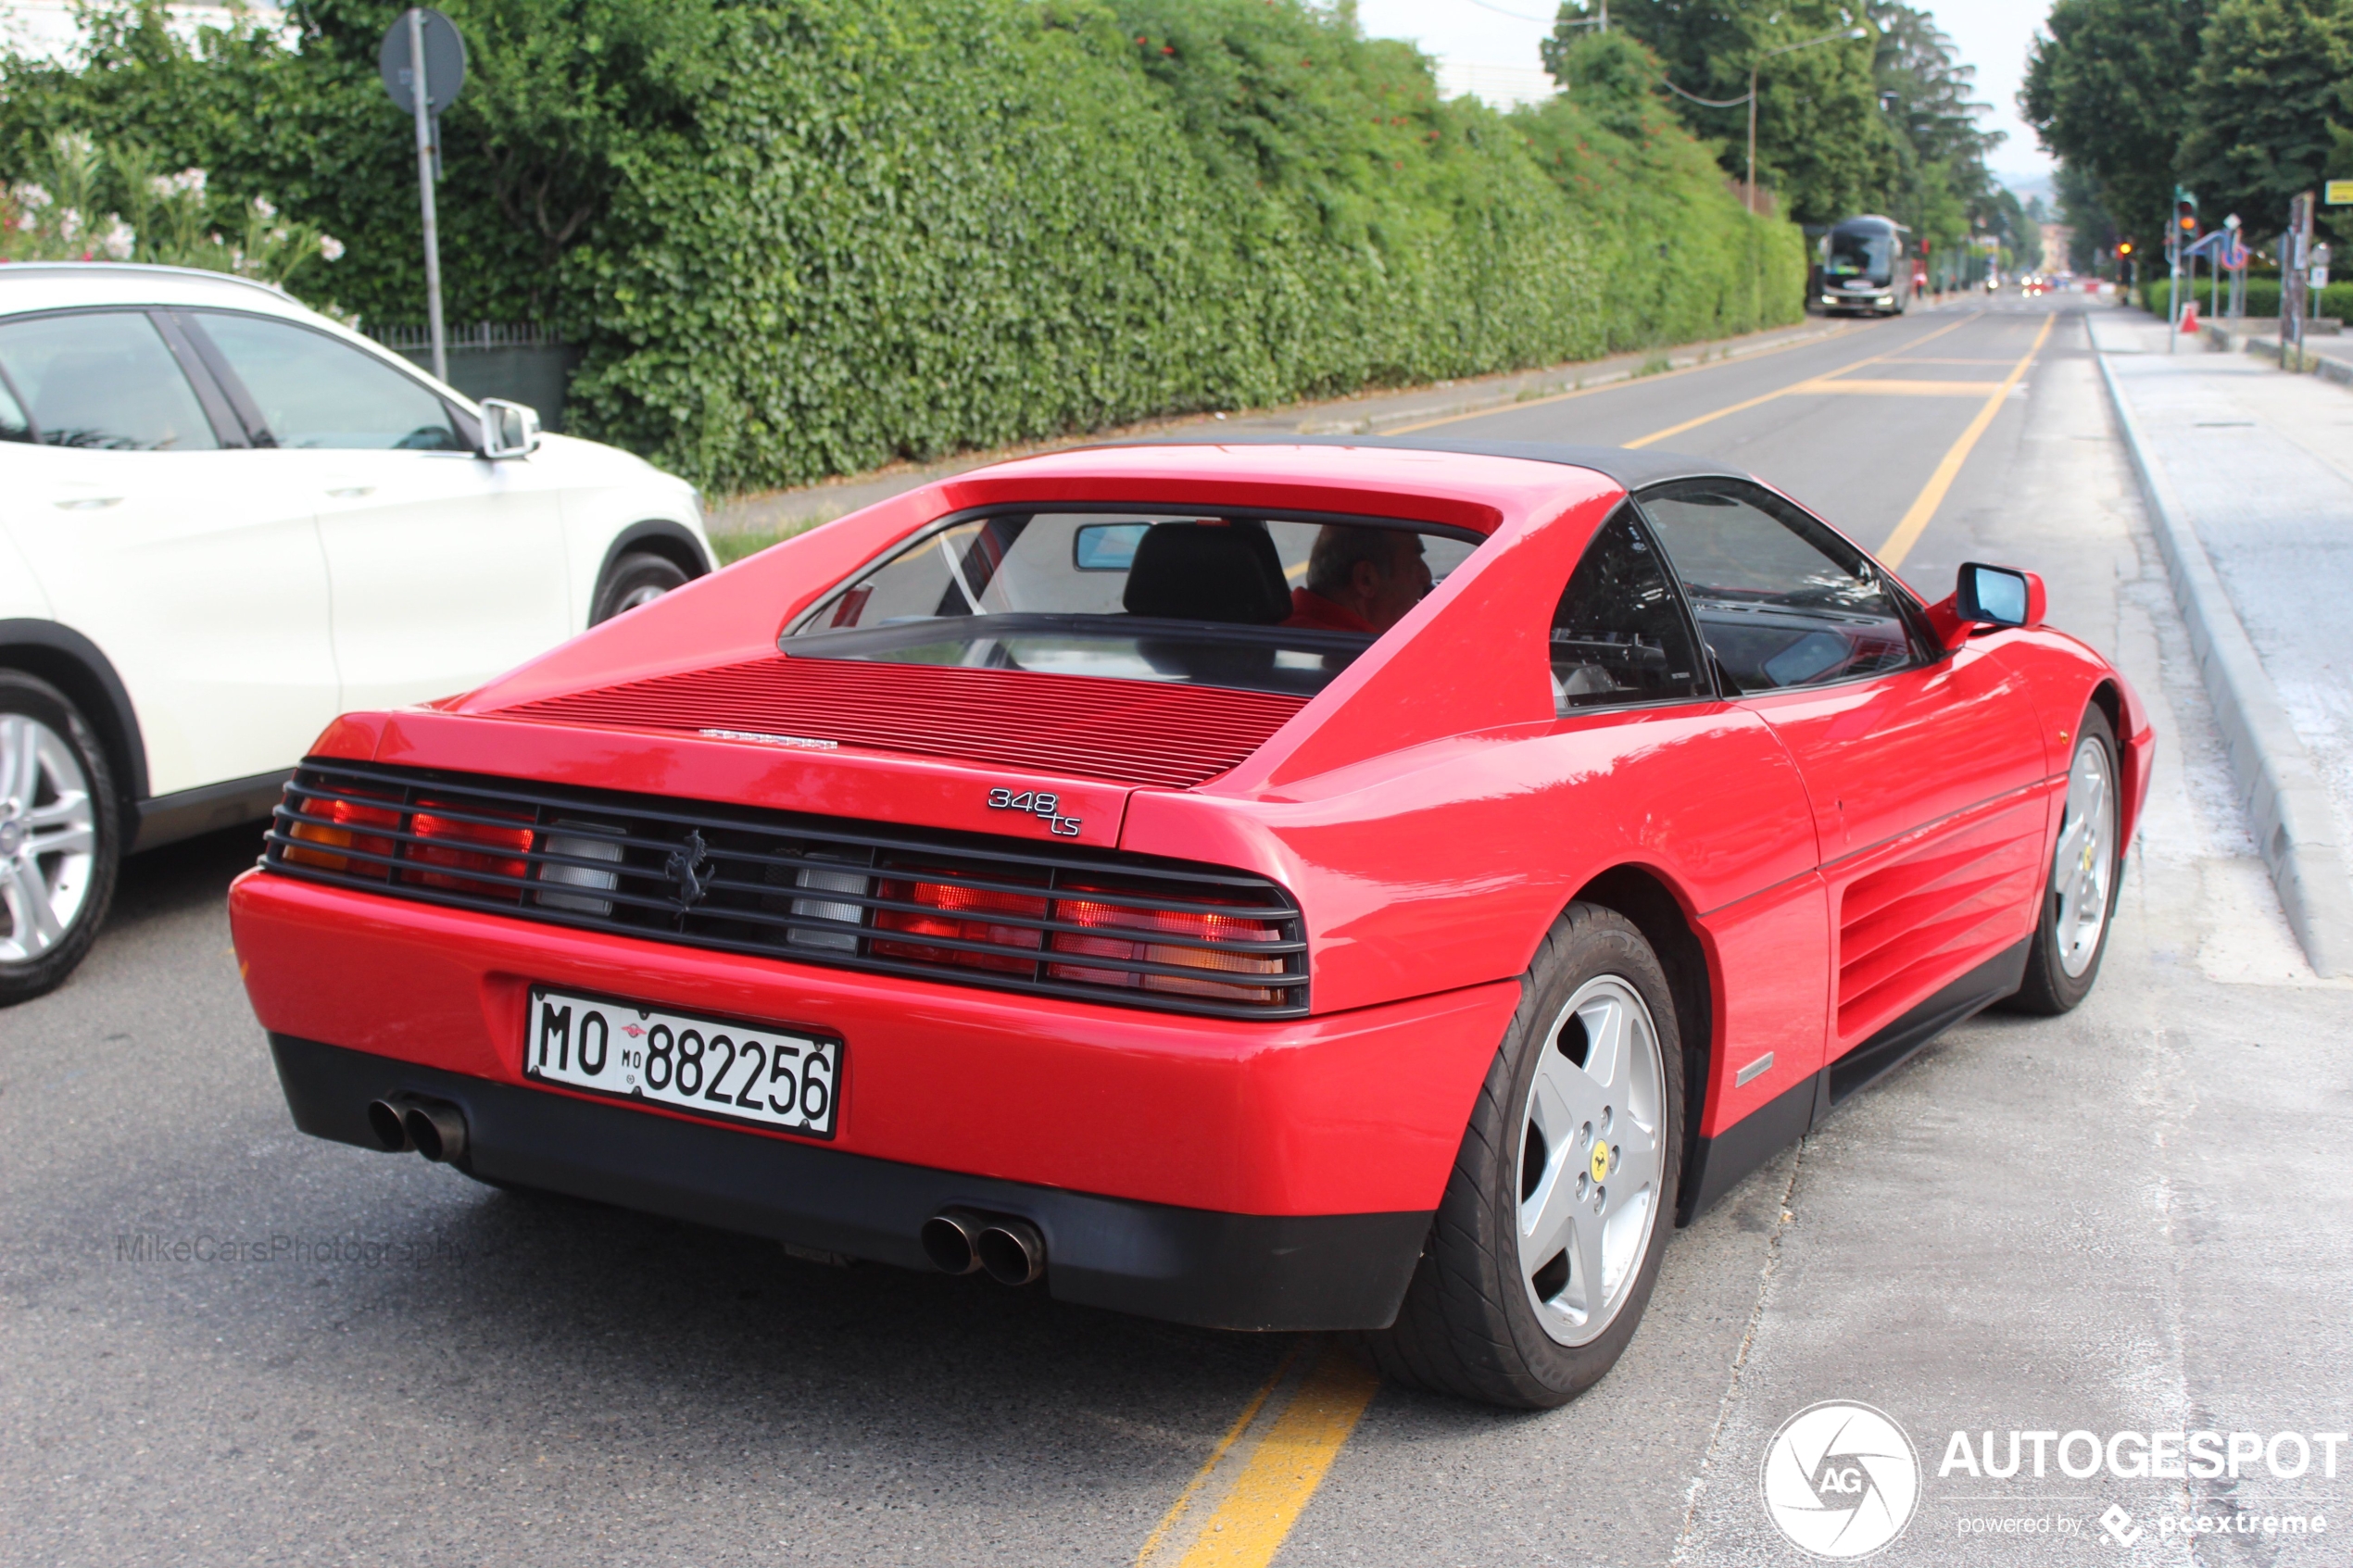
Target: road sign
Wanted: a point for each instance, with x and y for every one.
(445, 64)
(2338, 192)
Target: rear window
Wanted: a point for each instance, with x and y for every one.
(1258, 603)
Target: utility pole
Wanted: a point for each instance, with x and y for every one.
(1852, 33)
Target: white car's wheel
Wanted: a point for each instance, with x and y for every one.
(637, 579)
(60, 836)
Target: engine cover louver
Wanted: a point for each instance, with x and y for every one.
(1126, 732)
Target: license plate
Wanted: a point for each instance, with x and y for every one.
(718, 1067)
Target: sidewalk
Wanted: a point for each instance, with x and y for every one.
(2258, 466)
(2328, 355)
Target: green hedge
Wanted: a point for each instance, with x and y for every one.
(818, 235)
(2262, 298)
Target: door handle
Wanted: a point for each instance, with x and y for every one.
(349, 491)
(86, 503)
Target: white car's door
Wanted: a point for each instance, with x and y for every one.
(180, 553)
(445, 568)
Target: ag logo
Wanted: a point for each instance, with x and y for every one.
(1841, 1480)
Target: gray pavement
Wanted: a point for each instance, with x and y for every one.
(2260, 465)
(2125, 1220)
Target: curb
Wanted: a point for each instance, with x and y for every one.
(2287, 806)
(2326, 367)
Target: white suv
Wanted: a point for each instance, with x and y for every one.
(225, 519)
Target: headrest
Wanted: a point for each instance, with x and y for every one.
(1208, 571)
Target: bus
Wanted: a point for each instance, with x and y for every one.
(1867, 267)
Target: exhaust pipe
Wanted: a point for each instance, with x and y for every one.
(385, 1120)
(436, 1127)
(1012, 1251)
(952, 1240)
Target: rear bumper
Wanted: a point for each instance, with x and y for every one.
(1291, 1272)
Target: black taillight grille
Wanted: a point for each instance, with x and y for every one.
(962, 907)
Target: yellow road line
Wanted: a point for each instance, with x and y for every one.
(1626, 382)
(1785, 390)
(1177, 1510)
(1907, 532)
(1895, 388)
(1277, 1474)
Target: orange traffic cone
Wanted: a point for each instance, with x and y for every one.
(2189, 316)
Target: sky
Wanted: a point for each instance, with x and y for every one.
(1993, 35)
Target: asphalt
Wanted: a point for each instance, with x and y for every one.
(223, 1342)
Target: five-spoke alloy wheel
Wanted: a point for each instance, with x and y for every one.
(1547, 1241)
(57, 836)
(2080, 903)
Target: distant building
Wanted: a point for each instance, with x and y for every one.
(2059, 243)
(47, 28)
(1499, 87)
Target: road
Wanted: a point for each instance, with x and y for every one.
(223, 1342)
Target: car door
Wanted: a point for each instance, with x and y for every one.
(1704, 788)
(158, 534)
(1924, 768)
(445, 568)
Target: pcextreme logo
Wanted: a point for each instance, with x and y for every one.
(1841, 1480)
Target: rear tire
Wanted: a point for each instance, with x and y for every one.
(60, 836)
(2087, 873)
(637, 579)
(1588, 1079)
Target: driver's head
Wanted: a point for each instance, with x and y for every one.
(1377, 572)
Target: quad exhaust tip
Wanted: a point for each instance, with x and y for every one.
(435, 1128)
(1009, 1249)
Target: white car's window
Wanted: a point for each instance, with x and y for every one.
(314, 392)
(1264, 604)
(104, 380)
(1781, 600)
(15, 424)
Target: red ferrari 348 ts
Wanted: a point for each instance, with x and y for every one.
(1307, 886)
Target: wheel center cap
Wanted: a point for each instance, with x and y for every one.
(1601, 1161)
(11, 836)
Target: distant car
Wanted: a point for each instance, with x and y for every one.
(1125, 869)
(229, 519)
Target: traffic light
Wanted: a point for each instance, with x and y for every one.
(2185, 213)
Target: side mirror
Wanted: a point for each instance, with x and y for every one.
(509, 430)
(1997, 595)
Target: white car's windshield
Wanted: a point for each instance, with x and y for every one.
(1259, 603)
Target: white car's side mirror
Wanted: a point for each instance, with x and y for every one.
(509, 430)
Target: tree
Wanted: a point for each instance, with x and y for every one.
(1822, 142)
(2274, 82)
(2107, 92)
(1925, 95)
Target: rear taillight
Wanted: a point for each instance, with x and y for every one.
(339, 830)
(455, 847)
(1164, 937)
(964, 916)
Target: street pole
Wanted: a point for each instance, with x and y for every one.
(1752, 133)
(425, 150)
(2295, 257)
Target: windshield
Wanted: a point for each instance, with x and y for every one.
(1871, 256)
(1264, 604)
